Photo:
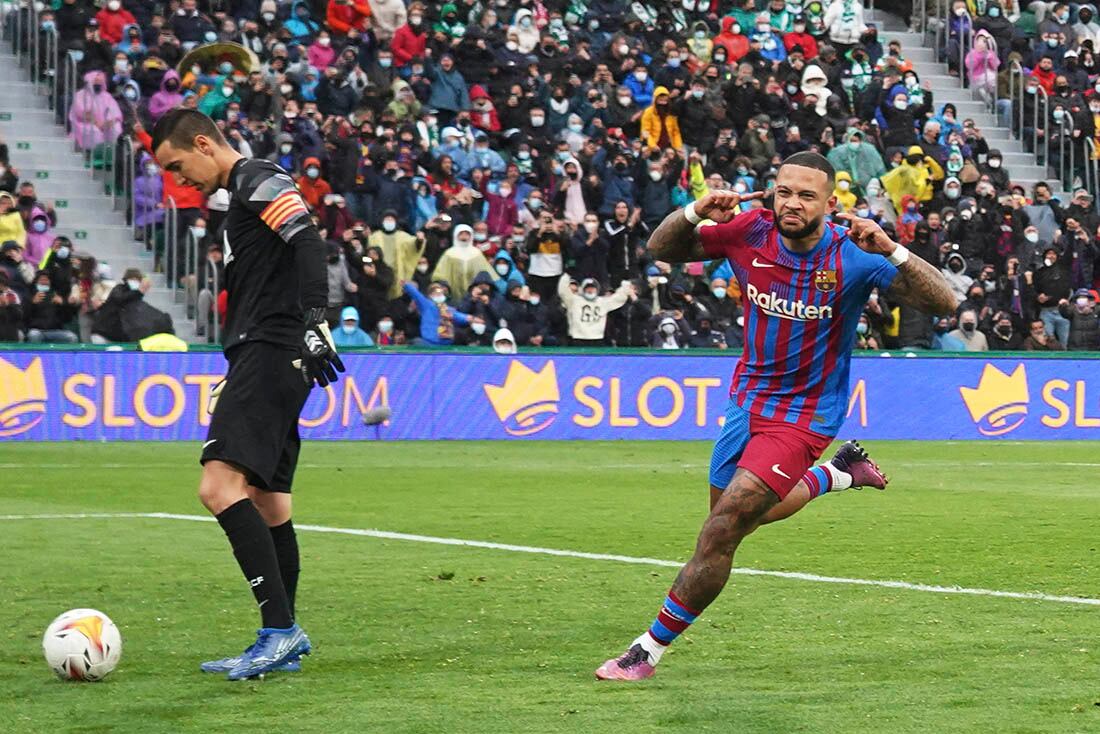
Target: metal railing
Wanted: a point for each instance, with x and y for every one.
(215, 290)
(1065, 139)
(171, 242)
(1042, 100)
(1016, 93)
(966, 42)
(1090, 177)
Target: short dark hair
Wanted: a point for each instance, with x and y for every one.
(181, 125)
(809, 159)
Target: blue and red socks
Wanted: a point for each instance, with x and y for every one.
(826, 478)
(671, 621)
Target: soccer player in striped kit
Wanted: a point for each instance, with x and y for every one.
(804, 283)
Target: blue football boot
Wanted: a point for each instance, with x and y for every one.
(272, 650)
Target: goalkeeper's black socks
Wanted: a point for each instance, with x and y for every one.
(286, 550)
(255, 553)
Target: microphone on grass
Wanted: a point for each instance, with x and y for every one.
(377, 416)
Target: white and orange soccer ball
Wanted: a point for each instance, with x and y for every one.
(82, 644)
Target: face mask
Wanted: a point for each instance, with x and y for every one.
(42, 288)
(1058, 115)
(97, 88)
(591, 295)
(120, 65)
(48, 26)
(227, 91)
(669, 329)
(290, 115)
(843, 185)
(700, 35)
(1095, 109)
(966, 214)
(994, 12)
(968, 326)
(502, 269)
(39, 226)
(861, 328)
(63, 252)
(1031, 90)
(313, 172)
(696, 93)
(655, 175)
(955, 266)
(385, 63)
(901, 104)
(268, 17)
(512, 46)
(719, 59)
(439, 299)
(534, 204)
(389, 225)
(349, 329)
(1031, 237)
(800, 28)
(576, 127)
(537, 121)
(640, 75)
(199, 232)
(951, 193)
(114, 5)
(534, 300)
(719, 293)
(623, 49)
(674, 63)
(285, 89)
(480, 236)
(133, 284)
(994, 162)
(864, 212)
(477, 328)
(1052, 42)
(960, 12)
(1081, 302)
(385, 327)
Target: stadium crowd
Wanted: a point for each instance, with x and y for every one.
(477, 165)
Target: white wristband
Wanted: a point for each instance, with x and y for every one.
(898, 256)
(690, 215)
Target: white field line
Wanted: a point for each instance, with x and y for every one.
(657, 464)
(387, 535)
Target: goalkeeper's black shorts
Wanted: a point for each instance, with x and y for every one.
(255, 421)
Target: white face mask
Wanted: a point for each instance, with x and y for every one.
(502, 269)
(623, 49)
(901, 104)
(478, 328)
(843, 185)
(951, 193)
(389, 225)
(199, 232)
(640, 75)
(994, 163)
(591, 295)
(625, 101)
(133, 284)
(385, 327)
(114, 5)
(655, 175)
(439, 299)
(512, 46)
(1031, 237)
(534, 300)
(349, 329)
(422, 268)
(537, 121)
(719, 293)
(590, 227)
(966, 214)
(324, 41)
(227, 91)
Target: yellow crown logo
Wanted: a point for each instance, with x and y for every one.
(999, 403)
(22, 397)
(527, 402)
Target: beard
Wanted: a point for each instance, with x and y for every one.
(798, 233)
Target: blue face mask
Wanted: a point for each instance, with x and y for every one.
(225, 68)
(48, 26)
(674, 63)
(994, 12)
(385, 63)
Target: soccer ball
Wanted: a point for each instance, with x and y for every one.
(82, 644)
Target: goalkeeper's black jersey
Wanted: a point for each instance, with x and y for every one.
(261, 277)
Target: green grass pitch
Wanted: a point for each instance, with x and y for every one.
(418, 637)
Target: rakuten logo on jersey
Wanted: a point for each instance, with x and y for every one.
(773, 305)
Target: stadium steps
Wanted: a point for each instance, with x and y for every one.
(41, 152)
(1021, 166)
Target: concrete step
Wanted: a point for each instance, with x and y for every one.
(17, 118)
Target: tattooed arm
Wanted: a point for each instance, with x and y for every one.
(675, 239)
(917, 283)
(921, 286)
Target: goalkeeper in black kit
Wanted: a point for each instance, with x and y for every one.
(277, 344)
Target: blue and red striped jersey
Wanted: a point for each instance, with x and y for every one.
(801, 312)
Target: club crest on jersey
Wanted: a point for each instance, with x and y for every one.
(825, 280)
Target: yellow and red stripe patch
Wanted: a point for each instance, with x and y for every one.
(282, 209)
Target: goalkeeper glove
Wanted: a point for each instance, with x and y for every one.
(319, 359)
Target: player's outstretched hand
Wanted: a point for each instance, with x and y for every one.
(320, 362)
(721, 206)
(866, 233)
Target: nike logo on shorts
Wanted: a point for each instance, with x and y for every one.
(757, 264)
(780, 472)
(209, 442)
